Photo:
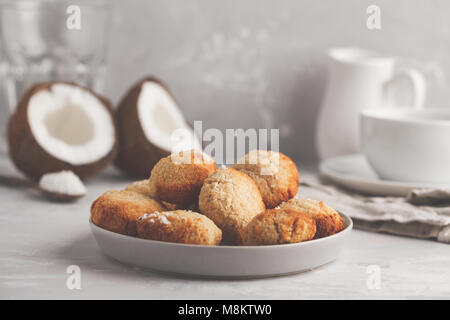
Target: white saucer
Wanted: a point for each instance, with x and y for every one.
(222, 261)
(355, 173)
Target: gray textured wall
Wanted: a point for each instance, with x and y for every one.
(262, 63)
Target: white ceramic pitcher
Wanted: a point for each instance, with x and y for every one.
(357, 80)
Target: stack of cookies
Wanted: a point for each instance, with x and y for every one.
(188, 200)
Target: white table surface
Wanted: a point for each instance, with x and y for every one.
(40, 239)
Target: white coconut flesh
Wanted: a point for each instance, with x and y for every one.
(71, 124)
(63, 182)
(162, 121)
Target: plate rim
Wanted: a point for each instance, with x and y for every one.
(341, 233)
(324, 168)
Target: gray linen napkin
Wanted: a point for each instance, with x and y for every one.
(424, 213)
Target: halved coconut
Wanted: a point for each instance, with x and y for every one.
(150, 126)
(62, 126)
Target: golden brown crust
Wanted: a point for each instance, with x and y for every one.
(118, 211)
(179, 226)
(328, 221)
(143, 187)
(278, 226)
(22, 144)
(231, 199)
(274, 173)
(179, 177)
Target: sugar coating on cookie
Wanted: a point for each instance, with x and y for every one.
(179, 177)
(118, 211)
(161, 217)
(328, 221)
(274, 173)
(179, 226)
(231, 199)
(279, 226)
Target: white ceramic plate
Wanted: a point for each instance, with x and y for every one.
(222, 261)
(355, 173)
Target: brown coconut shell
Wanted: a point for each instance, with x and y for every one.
(30, 158)
(137, 155)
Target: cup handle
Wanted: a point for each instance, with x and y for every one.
(419, 86)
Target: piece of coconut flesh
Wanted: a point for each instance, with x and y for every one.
(71, 124)
(162, 121)
(64, 182)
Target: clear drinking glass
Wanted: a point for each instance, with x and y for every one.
(49, 40)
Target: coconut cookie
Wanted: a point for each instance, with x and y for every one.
(179, 226)
(278, 226)
(118, 211)
(231, 199)
(274, 173)
(179, 177)
(143, 187)
(328, 221)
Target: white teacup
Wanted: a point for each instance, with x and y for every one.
(407, 145)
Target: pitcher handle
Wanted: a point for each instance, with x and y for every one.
(419, 86)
